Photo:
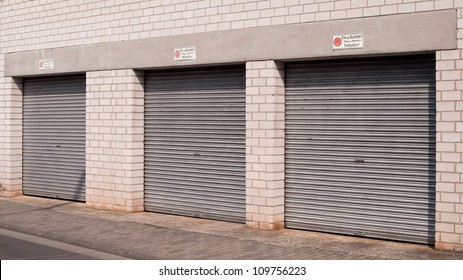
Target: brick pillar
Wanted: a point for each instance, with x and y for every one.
(114, 148)
(10, 137)
(449, 150)
(265, 123)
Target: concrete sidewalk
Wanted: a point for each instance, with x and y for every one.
(157, 236)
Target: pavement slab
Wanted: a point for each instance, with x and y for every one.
(166, 237)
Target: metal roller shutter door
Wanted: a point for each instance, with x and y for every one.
(54, 137)
(195, 138)
(360, 147)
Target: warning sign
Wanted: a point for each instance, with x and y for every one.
(185, 53)
(348, 41)
(46, 64)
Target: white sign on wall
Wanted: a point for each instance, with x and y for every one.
(46, 64)
(185, 53)
(348, 41)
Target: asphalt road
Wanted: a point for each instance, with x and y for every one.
(19, 246)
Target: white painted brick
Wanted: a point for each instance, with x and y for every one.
(322, 16)
(445, 167)
(312, 8)
(443, 4)
(326, 6)
(446, 127)
(262, 5)
(451, 75)
(371, 11)
(338, 14)
(277, 3)
(296, 10)
(451, 116)
(458, 3)
(281, 11)
(445, 207)
(450, 197)
(291, 2)
(450, 218)
(292, 19)
(450, 177)
(375, 2)
(389, 2)
(450, 238)
(406, 8)
(445, 227)
(342, 5)
(450, 55)
(354, 13)
(450, 157)
(451, 95)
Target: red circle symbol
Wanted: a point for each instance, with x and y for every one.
(337, 41)
(177, 54)
(41, 64)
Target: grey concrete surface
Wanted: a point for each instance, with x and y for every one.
(157, 236)
(390, 34)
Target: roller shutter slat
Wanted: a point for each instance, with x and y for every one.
(195, 143)
(54, 137)
(360, 147)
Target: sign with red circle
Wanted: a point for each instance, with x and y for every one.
(46, 64)
(348, 41)
(188, 53)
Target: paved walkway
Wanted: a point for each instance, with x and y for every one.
(157, 236)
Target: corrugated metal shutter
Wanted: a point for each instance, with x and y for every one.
(54, 137)
(195, 143)
(360, 147)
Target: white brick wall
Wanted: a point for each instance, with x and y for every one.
(449, 201)
(10, 137)
(30, 25)
(114, 149)
(265, 122)
(41, 24)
